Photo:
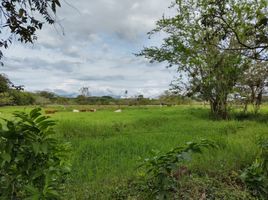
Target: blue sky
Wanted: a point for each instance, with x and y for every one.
(93, 47)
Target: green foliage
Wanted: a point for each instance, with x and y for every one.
(256, 176)
(170, 98)
(33, 162)
(13, 95)
(21, 21)
(16, 97)
(246, 21)
(253, 85)
(163, 172)
(5, 99)
(41, 100)
(107, 147)
(192, 47)
(107, 100)
(256, 180)
(21, 98)
(47, 94)
(4, 83)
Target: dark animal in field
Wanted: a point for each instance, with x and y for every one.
(83, 110)
(92, 110)
(48, 112)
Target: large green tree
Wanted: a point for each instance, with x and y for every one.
(192, 48)
(20, 19)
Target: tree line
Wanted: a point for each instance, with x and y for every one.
(11, 95)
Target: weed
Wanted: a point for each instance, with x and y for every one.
(164, 172)
(256, 176)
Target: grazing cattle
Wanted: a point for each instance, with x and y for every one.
(48, 112)
(76, 111)
(92, 110)
(118, 111)
(83, 110)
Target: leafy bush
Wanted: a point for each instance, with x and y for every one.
(5, 99)
(163, 172)
(33, 162)
(256, 176)
(21, 98)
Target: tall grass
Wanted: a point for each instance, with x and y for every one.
(107, 146)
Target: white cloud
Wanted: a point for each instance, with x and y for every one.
(96, 50)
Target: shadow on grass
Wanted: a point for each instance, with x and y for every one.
(204, 114)
(260, 117)
(199, 113)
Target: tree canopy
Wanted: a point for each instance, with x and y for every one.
(4, 83)
(212, 43)
(246, 21)
(20, 19)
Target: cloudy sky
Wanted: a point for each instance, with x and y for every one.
(93, 47)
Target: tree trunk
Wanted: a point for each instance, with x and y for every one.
(256, 97)
(257, 102)
(218, 108)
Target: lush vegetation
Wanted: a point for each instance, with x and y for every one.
(219, 48)
(109, 147)
(33, 162)
(15, 95)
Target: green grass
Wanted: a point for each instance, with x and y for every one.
(108, 146)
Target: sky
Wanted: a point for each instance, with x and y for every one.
(93, 45)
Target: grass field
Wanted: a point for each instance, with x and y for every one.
(108, 146)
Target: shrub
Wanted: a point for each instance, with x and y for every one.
(39, 100)
(21, 98)
(163, 172)
(5, 99)
(256, 176)
(33, 162)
